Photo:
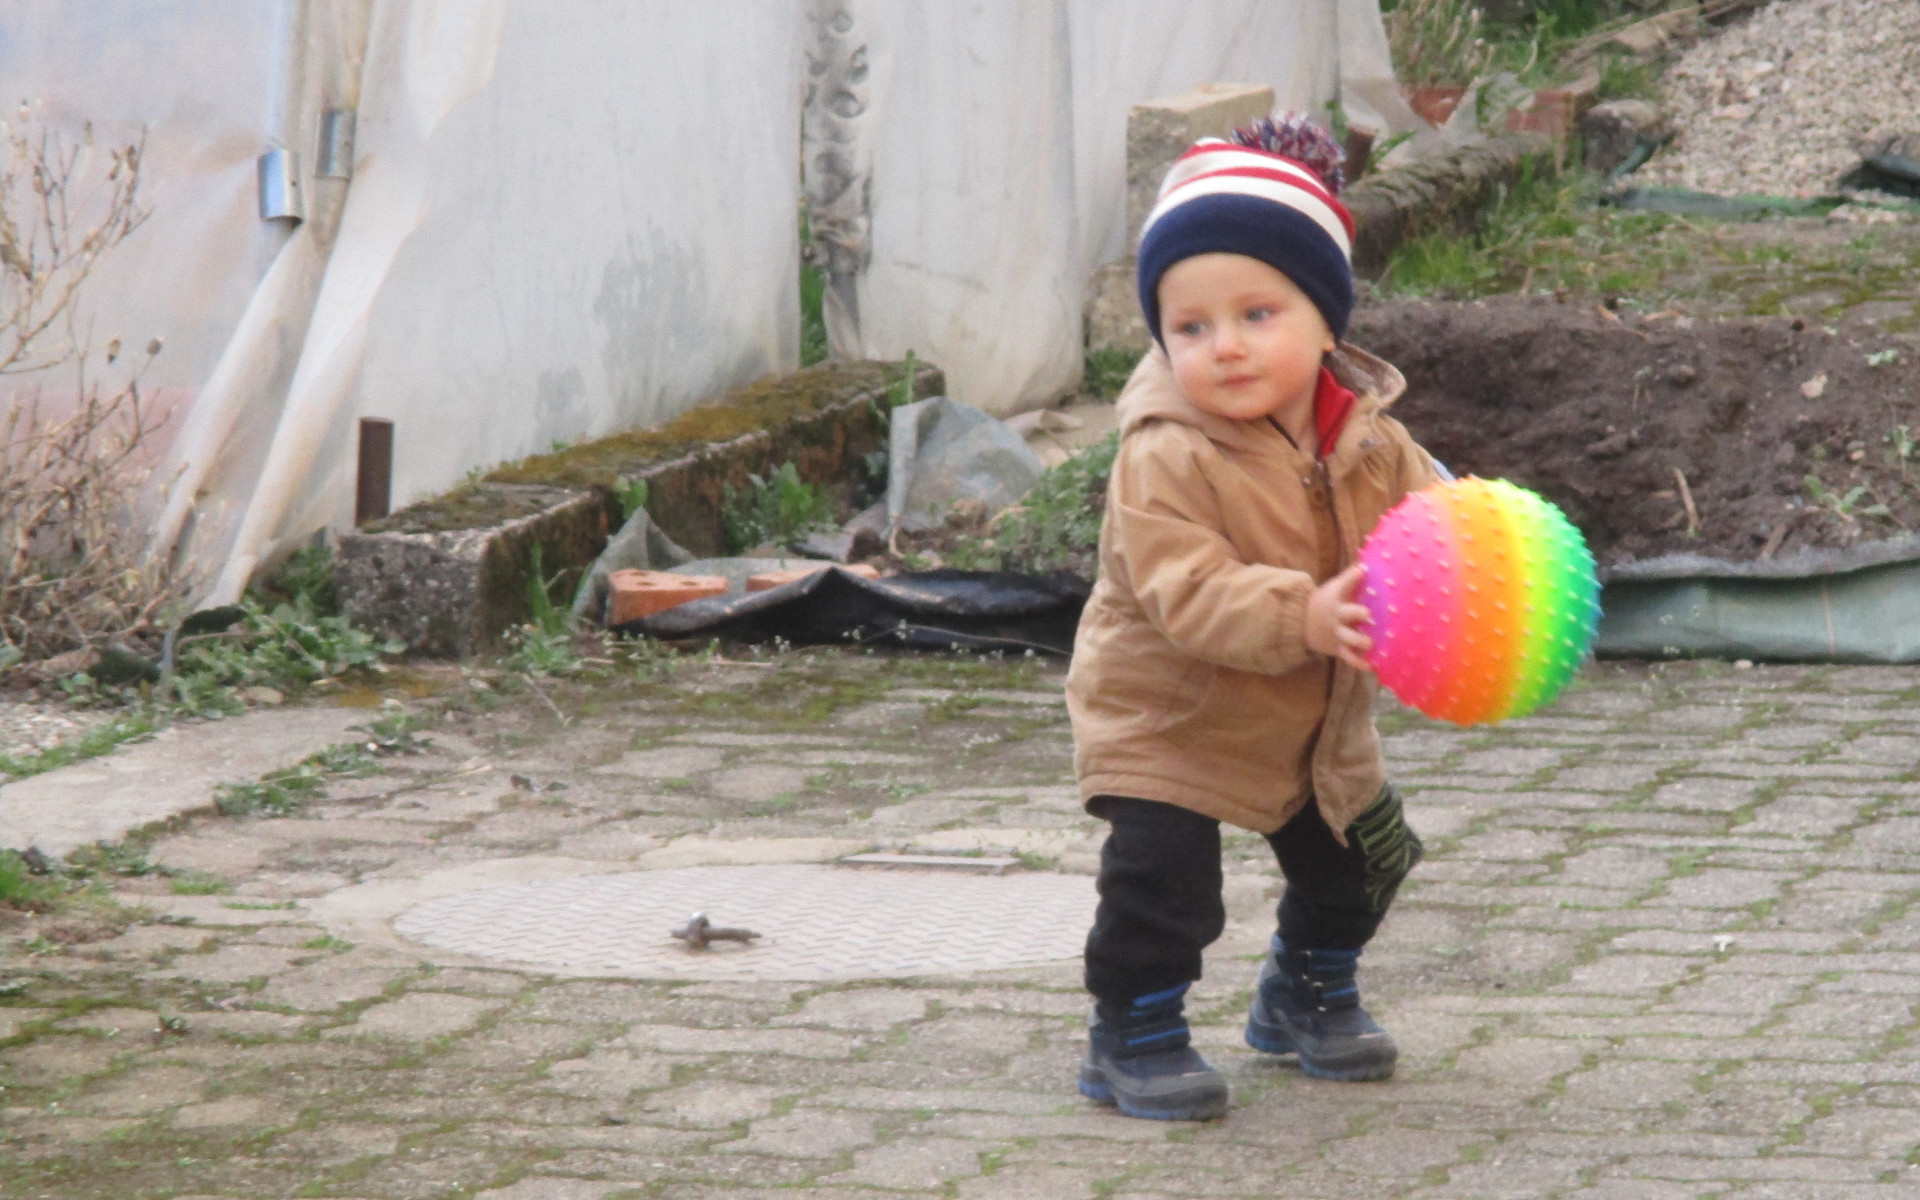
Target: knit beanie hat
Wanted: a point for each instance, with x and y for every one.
(1268, 194)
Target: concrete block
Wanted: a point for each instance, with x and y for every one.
(1113, 310)
(453, 591)
(1159, 131)
(635, 594)
(768, 580)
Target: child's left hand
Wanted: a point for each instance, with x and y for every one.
(1332, 620)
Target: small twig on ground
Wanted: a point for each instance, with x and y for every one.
(563, 718)
(1779, 534)
(1686, 498)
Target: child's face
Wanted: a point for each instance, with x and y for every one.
(1245, 342)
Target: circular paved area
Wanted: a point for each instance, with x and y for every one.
(816, 922)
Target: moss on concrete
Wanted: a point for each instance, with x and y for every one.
(472, 505)
(766, 404)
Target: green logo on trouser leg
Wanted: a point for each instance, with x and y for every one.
(1388, 845)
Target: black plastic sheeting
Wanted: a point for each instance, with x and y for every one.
(1889, 171)
(921, 610)
(1685, 203)
(1860, 605)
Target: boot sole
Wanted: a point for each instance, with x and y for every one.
(1272, 1039)
(1094, 1086)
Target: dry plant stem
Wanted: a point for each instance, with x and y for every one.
(1686, 498)
(1437, 42)
(545, 699)
(1778, 535)
(55, 223)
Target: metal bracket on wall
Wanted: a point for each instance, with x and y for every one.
(280, 186)
(336, 144)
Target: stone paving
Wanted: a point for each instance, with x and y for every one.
(1666, 944)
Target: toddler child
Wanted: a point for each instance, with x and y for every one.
(1218, 674)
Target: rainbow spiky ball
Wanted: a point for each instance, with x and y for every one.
(1482, 600)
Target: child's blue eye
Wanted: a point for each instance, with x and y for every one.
(1189, 328)
(1259, 314)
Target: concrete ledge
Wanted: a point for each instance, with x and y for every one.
(448, 576)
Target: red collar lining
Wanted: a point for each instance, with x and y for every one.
(1332, 406)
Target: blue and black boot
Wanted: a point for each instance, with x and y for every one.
(1307, 1003)
(1141, 1058)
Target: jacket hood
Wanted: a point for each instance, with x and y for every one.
(1152, 395)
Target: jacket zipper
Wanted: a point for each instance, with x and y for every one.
(1325, 480)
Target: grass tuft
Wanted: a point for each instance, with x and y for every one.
(774, 510)
(20, 888)
(1107, 370)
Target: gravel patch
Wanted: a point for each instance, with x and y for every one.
(1785, 103)
(30, 727)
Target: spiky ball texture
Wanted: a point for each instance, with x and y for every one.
(1294, 135)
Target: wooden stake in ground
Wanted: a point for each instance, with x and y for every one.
(1686, 498)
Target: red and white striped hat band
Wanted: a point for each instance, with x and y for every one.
(1214, 167)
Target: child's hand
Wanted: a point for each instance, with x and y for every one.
(1332, 616)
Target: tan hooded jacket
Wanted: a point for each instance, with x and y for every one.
(1191, 680)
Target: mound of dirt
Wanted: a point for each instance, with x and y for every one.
(1605, 413)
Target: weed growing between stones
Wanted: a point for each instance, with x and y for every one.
(96, 741)
(278, 794)
(545, 645)
(73, 890)
(290, 645)
(125, 860)
(23, 888)
(284, 639)
(194, 883)
(284, 792)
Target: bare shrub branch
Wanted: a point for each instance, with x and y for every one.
(73, 460)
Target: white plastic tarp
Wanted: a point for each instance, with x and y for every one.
(558, 220)
(561, 220)
(564, 220)
(967, 163)
(207, 93)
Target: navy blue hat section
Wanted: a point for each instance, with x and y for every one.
(1286, 239)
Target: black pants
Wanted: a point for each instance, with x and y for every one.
(1160, 884)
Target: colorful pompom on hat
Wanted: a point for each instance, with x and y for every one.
(1268, 194)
